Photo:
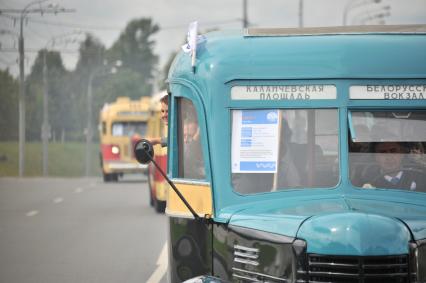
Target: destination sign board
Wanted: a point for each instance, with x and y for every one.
(388, 92)
(283, 92)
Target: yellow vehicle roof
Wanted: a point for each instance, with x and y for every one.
(125, 107)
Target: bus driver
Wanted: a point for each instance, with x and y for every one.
(389, 156)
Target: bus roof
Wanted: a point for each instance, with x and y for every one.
(392, 29)
(124, 108)
(309, 53)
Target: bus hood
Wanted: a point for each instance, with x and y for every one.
(367, 225)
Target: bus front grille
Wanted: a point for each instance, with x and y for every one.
(351, 269)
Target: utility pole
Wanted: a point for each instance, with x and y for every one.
(23, 14)
(45, 128)
(245, 20)
(97, 71)
(89, 130)
(21, 107)
(300, 13)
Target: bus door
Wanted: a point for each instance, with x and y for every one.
(190, 239)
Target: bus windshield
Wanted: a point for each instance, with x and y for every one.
(386, 149)
(128, 128)
(277, 149)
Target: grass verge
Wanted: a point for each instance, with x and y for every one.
(65, 159)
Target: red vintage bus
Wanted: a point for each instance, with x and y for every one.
(158, 186)
(119, 122)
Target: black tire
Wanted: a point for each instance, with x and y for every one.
(151, 197)
(160, 206)
(114, 177)
(107, 177)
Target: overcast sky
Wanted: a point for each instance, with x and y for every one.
(107, 18)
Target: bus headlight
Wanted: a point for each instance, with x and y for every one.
(115, 149)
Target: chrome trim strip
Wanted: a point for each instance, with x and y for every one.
(354, 275)
(246, 261)
(336, 30)
(190, 182)
(118, 165)
(333, 264)
(379, 267)
(244, 277)
(258, 274)
(238, 247)
(240, 254)
(181, 214)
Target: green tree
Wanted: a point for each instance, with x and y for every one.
(90, 63)
(58, 98)
(135, 47)
(9, 91)
(165, 71)
(135, 77)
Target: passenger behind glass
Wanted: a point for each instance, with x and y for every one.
(417, 157)
(288, 175)
(359, 154)
(392, 175)
(193, 161)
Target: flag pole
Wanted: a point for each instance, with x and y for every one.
(193, 32)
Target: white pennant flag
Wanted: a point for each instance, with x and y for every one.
(191, 38)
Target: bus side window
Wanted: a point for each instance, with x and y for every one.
(191, 162)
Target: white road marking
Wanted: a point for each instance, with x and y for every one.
(161, 266)
(32, 213)
(58, 200)
(78, 190)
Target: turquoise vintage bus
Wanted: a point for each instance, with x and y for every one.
(301, 155)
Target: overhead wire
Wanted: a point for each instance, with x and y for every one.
(72, 25)
(8, 63)
(94, 27)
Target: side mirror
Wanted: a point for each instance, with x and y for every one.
(144, 151)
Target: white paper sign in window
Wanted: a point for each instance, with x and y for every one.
(388, 92)
(284, 92)
(255, 141)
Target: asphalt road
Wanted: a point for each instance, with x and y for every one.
(80, 230)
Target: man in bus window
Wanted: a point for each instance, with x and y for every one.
(165, 118)
(389, 156)
(165, 109)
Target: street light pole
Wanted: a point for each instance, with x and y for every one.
(21, 131)
(355, 4)
(89, 130)
(21, 108)
(365, 16)
(245, 20)
(378, 16)
(89, 123)
(45, 129)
